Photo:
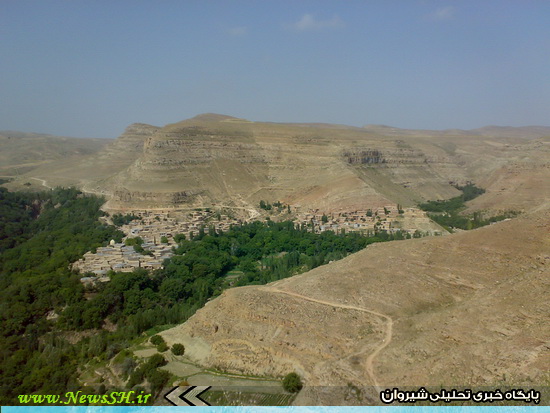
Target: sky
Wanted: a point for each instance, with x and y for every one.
(91, 68)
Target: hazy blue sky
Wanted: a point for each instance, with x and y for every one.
(90, 68)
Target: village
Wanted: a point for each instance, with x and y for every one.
(390, 218)
(156, 231)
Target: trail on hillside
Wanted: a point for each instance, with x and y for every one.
(387, 336)
(43, 182)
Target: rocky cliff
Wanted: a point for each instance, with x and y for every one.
(223, 160)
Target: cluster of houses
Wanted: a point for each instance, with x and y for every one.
(154, 226)
(157, 230)
(121, 258)
(390, 218)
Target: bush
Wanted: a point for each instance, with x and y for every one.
(292, 383)
(136, 377)
(178, 349)
(156, 340)
(157, 380)
(156, 360)
(162, 347)
(133, 241)
(127, 366)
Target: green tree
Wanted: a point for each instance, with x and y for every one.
(157, 380)
(179, 237)
(156, 340)
(178, 349)
(133, 241)
(156, 360)
(292, 383)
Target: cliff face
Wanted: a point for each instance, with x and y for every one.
(222, 160)
(131, 142)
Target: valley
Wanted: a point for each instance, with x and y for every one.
(258, 247)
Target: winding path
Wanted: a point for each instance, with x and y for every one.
(43, 182)
(387, 336)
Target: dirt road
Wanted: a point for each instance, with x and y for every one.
(387, 336)
(43, 182)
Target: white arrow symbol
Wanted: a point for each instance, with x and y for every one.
(187, 396)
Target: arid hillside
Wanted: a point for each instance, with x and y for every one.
(220, 160)
(215, 159)
(86, 171)
(466, 309)
(22, 152)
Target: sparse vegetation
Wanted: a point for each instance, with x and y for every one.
(276, 205)
(149, 370)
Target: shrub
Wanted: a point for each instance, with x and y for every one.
(156, 340)
(292, 383)
(157, 380)
(156, 360)
(178, 349)
(136, 377)
(162, 347)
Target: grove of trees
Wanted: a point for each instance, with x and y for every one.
(447, 213)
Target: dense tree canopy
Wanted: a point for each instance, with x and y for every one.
(53, 229)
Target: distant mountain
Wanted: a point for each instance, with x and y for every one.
(528, 132)
(22, 152)
(112, 157)
(524, 132)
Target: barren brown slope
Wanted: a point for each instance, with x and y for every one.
(466, 309)
(87, 171)
(22, 152)
(522, 184)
